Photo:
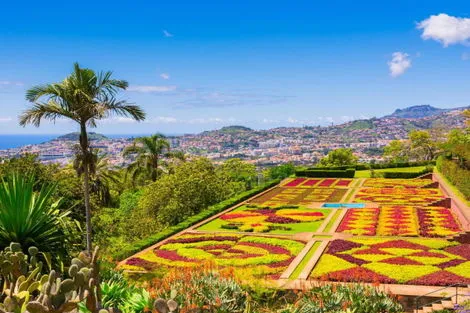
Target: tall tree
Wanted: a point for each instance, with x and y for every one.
(339, 157)
(149, 152)
(84, 97)
(396, 151)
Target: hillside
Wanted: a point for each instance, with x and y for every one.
(76, 135)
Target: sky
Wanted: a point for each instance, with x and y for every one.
(201, 65)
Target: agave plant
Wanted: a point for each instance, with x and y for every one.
(32, 218)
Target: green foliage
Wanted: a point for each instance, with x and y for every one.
(404, 174)
(206, 289)
(281, 171)
(240, 174)
(349, 173)
(422, 145)
(133, 247)
(340, 298)
(396, 151)
(457, 175)
(31, 219)
(28, 165)
(150, 155)
(192, 187)
(339, 157)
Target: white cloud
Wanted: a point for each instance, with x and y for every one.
(167, 33)
(165, 76)
(141, 88)
(399, 64)
(5, 119)
(269, 121)
(119, 120)
(446, 29)
(347, 118)
(165, 120)
(292, 120)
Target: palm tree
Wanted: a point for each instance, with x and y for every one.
(150, 155)
(32, 218)
(102, 176)
(84, 97)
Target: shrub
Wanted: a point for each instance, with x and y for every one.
(135, 247)
(406, 174)
(354, 298)
(347, 173)
(458, 176)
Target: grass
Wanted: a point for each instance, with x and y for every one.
(366, 173)
(294, 228)
(332, 221)
(295, 274)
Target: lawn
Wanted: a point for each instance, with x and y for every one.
(366, 173)
(280, 220)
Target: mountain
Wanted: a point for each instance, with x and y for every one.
(418, 111)
(76, 135)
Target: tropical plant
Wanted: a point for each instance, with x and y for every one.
(84, 97)
(102, 175)
(32, 218)
(150, 154)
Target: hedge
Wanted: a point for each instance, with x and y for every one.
(135, 247)
(458, 176)
(348, 173)
(406, 174)
(375, 166)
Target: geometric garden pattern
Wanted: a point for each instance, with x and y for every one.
(404, 234)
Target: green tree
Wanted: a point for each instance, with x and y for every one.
(339, 157)
(238, 172)
(192, 187)
(281, 171)
(84, 97)
(32, 218)
(396, 151)
(150, 154)
(422, 146)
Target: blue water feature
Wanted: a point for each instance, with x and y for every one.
(344, 205)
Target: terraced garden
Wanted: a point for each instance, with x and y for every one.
(368, 230)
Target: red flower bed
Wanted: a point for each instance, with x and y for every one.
(401, 261)
(272, 249)
(461, 250)
(338, 245)
(441, 278)
(327, 182)
(295, 182)
(359, 274)
(172, 255)
(311, 182)
(281, 220)
(343, 183)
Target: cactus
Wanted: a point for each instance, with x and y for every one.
(27, 290)
(162, 306)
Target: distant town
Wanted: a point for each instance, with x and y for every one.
(299, 145)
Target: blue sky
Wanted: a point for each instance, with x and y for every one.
(198, 65)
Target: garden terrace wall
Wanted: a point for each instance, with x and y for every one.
(135, 247)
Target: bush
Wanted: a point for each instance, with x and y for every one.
(348, 173)
(406, 174)
(458, 176)
(135, 247)
(339, 298)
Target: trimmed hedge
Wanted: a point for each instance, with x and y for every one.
(406, 174)
(376, 166)
(458, 176)
(167, 232)
(348, 173)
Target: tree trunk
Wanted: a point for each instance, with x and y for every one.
(86, 183)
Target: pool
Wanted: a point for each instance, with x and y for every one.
(344, 205)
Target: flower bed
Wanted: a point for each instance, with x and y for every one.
(395, 183)
(437, 222)
(413, 261)
(253, 256)
(406, 196)
(400, 220)
(316, 183)
(360, 222)
(269, 220)
(299, 196)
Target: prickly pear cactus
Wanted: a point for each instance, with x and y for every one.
(26, 290)
(163, 306)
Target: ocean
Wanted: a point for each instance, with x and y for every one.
(15, 141)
